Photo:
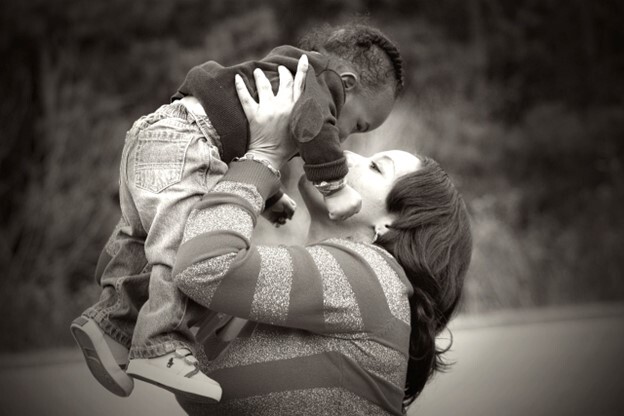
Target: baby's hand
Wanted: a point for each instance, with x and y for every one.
(282, 211)
(343, 203)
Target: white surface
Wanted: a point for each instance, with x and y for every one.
(568, 367)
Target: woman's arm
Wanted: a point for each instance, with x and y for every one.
(324, 288)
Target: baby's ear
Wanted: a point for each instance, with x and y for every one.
(349, 80)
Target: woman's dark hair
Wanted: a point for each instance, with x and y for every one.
(431, 239)
(375, 56)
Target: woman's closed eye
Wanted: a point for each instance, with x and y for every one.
(374, 166)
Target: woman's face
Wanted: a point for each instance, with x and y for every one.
(373, 177)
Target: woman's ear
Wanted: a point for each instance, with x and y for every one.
(382, 225)
(349, 80)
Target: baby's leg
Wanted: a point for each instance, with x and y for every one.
(170, 165)
(123, 273)
(104, 331)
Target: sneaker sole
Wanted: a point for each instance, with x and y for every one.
(150, 374)
(99, 358)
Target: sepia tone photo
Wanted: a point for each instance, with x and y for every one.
(330, 207)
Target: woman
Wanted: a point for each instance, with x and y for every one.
(347, 324)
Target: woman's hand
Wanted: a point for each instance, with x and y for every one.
(268, 120)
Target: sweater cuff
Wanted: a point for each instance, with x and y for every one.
(330, 171)
(253, 173)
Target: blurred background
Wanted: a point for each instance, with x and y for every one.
(522, 102)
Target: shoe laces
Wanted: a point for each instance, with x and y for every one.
(187, 356)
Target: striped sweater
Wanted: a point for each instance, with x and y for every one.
(331, 320)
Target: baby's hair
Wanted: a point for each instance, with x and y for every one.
(376, 57)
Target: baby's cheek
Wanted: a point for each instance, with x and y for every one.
(345, 126)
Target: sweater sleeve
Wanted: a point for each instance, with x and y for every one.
(326, 288)
(313, 127)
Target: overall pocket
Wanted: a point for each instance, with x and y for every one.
(160, 157)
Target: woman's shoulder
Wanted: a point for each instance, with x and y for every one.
(358, 279)
(382, 262)
(377, 277)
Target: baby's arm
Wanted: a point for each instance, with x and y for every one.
(313, 126)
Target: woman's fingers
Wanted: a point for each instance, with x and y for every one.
(285, 83)
(250, 106)
(288, 87)
(300, 76)
(263, 85)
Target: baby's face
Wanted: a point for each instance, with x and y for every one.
(364, 110)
